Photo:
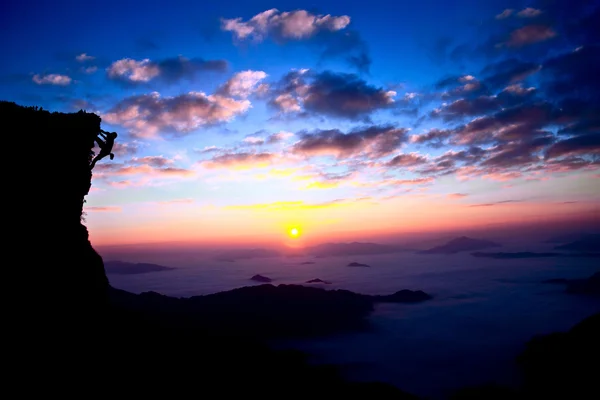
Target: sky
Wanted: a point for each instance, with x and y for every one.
(239, 121)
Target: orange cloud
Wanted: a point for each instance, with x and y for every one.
(457, 195)
(103, 209)
(176, 201)
(240, 161)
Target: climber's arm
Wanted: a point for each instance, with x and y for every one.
(101, 142)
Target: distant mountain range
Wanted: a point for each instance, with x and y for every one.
(242, 254)
(321, 250)
(460, 244)
(571, 237)
(352, 249)
(586, 243)
(127, 268)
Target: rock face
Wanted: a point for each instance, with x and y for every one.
(62, 269)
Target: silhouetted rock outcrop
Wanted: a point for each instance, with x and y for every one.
(462, 243)
(403, 296)
(260, 278)
(63, 272)
(355, 264)
(127, 268)
(317, 280)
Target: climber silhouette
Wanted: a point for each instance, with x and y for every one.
(106, 146)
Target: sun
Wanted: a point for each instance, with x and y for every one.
(294, 232)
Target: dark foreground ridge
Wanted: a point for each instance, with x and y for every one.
(265, 311)
(70, 333)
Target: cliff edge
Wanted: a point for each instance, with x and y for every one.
(59, 268)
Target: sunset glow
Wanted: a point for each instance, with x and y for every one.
(337, 120)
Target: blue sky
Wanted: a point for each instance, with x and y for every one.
(233, 109)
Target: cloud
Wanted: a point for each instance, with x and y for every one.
(530, 34)
(529, 13)
(296, 205)
(517, 153)
(132, 70)
(90, 70)
(153, 161)
(435, 138)
(296, 25)
(240, 161)
(253, 140)
(345, 95)
(573, 74)
(505, 14)
(119, 169)
(52, 79)
(337, 95)
(406, 160)
(169, 69)
(104, 209)
(150, 114)
(120, 184)
(578, 145)
(330, 35)
(242, 84)
(396, 182)
(324, 180)
(176, 201)
(467, 108)
(452, 161)
(507, 72)
(83, 57)
(208, 149)
(125, 149)
(457, 195)
(374, 141)
(511, 123)
(278, 137)
(495, 203)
